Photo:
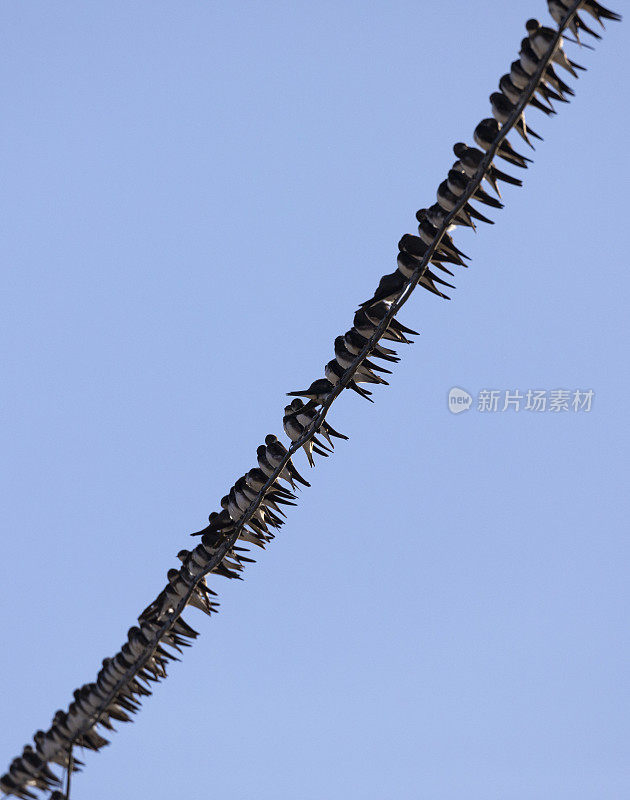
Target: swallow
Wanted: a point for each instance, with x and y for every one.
(470, 158)
(558, 11)
(514, 95)
(521, 79)
(320, 390)
(408, 265)
(295, 430)
(599, 12)
(428, 232)
(542, 40)
(419, 246)
(276, 452)
(530, 63)
(23, 775)
(306, 414)
(37, 764)
(366, 327)
(378, 312)
(334, 372)
(485, 135)
(346, 358)
(9, 785)
(458, 183)
(199, 597)
(356, 343)
(256, 479)
(437, 217)
(450, 202)
(501, 111)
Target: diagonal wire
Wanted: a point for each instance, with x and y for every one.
(224, 548)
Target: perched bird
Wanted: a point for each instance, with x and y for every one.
(450, 201)
(377, 313)
(521, 79)
(345, 358)
(485, 135)
(470, 158)
(437, 217)
(276, 452)
(446, 250)
(502, 109)
(558, 10)
(199, 597)
(458, 183)
(335, 372)
(599, 12)
(514, 95)
(319, 391)
(356, 342)
(306, 414)
(295, 430)
(542, 39)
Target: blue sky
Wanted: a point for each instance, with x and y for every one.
(195, 197)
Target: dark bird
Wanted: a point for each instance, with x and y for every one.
(470, 158)
(558, 11)
(377, 313)
(599, 12)
(514, 95)
(485, 135)
(335, 372)
(450, 201)
(417, 246)
(437, 217)
(521, 79)
(502, 109)
(542, 39)
(306, 414)
(346, 359)
(458, 183)
(295, 430)
(356, 343)
(276, 453)
(320, 390)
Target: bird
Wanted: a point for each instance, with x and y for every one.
(485, 135)
(599, 12)
(521, 80)
(295, 430)
(377, 313)
(356, 342)
(335, 372)
(446, 250)
(502, 110)
(276, 453)
(542, 40)
(450, 201)
(199, 597)
(437, 217)
(307, 414)
(470, 158)
(558, 11)
(345, 358)
(514, 95)
(458, 183)
(319, 391)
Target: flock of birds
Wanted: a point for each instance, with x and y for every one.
(254, 507)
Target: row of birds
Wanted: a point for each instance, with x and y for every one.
(254, 507)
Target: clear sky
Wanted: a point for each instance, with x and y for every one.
(195, 197)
